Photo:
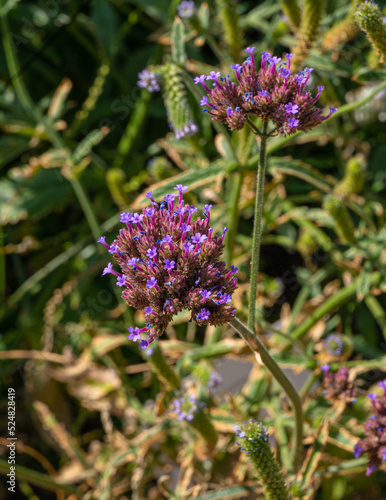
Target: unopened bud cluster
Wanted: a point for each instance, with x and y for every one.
(337, 386)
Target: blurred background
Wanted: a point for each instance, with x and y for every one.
(81, 142)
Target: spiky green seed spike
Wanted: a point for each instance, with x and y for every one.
(253, 439)
(344, 226)
(232, 31)
(342, 32)
(309, 28)
(292, 11)
(370, 19)
(353, 179)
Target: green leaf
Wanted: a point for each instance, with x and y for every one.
(193, 179)
(233, 492)
(296, 168)
(106, 22)
(178, 43)
(20, 198)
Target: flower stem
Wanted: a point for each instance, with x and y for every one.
(256, 239)
(258, 347)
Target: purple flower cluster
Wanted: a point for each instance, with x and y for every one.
(272, 94)
(148, 80)
(337, 385)
(334, 345)
(215, 380)
(170, 262)
(187, 131)
(186, 9)
(186, 407)
(374, 442)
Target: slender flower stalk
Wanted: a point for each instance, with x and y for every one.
(258, 347)
(256, 239)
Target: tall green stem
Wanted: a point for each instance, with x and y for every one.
(256, 239)
(258, 347)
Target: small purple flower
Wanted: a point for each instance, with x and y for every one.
(152, 252)
(151, 283)
(293, 122)
(291, 108)
(213, 75)
(108, 269)
(215, 380)
(185, 227)
(186, 9)
(143, 344)
(207, 208)
(185, 408)
(125, 218)
(285, 72)
(169, 198)
(149, 310)
(199, 79)
(121, 280)
(188, 247)
(382, 384)
(199, 238)
(289, 56)
(203, 315)
(113, 249)
(357, 451)
(234, 269)
(236, 67)
(274, 60)
(148, 80)
(136, 218)
(192, 209)
(132, 261)
(226, 298)
(102, 240)
(372, 396)
(325, 368)
(263, 93)
(169, 264)
(134, 334)
(167, 239)
(206, 294)
(265, 55)
(334, 345)
(204, 102)
(229, 110)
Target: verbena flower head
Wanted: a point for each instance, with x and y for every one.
(186, 407)
(186, 9)
(337, 385)
(170, 261)
(273, 94)
(148, 80)
(374, 442)
(334, 345)
(253, 438)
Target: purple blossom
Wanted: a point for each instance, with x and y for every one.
(229, 110)
(144, 344)
(148, 80)
(285, 72)
(102, 240)
(136, 218)
(213, 75)
(203, 315)
(206, 294)
(121, 280)
(151, 283)
(234, 269)
(199, 238)
(291, 108)
(215, 380)
(186, 9)
(274, 60)
(263, 93)
(169, 198)
(334, 345)
(134, 334)
(200, 79)
(125, 218)
(113, 249)
(207, 208)
(293, 122)
(204, 101)
(152, 252)
(185, 407)
(325, 368)
(163, 288)
(108, 269)
(265, 55)
(169, 264)
(236, 67)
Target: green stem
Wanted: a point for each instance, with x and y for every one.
(258, 347)
(234, 214)
(256, 239)
(34, 112)
(377, 311)
(37, 478)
